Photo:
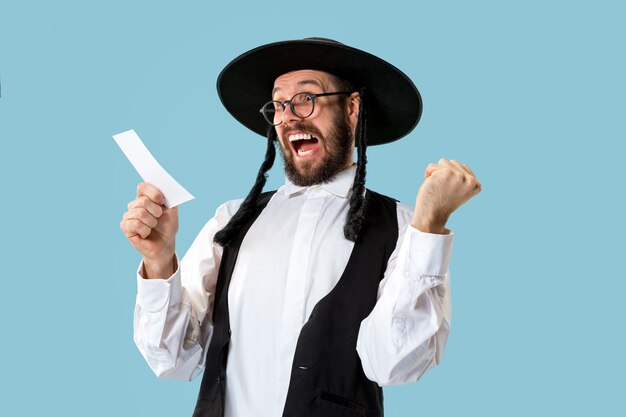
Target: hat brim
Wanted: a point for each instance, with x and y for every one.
(393, 103)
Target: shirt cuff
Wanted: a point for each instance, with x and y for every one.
(155, 294)
(427, 254)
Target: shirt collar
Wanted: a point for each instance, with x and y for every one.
(340, 185)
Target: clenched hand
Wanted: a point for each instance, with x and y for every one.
(151, 228)
(447, 185)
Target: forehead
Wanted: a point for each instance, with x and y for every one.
(295, 80)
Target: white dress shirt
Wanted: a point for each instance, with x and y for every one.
(291, 257)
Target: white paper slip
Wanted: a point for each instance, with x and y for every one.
(150, 170)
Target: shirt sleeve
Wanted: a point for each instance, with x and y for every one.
(172, 321)
(407, 330)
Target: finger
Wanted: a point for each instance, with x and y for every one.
(135, 240)
(430, 169)
(140, 213)
(150, 191)
(468, 169)
(444, 163)
(145, 202)
(128, 228)
(441, 164)
(460, 170)
(132, 227)
(460, 167)
(447, 168)
(471, 176)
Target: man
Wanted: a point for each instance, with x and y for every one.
(303, 302)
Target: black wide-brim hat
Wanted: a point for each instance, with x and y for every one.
(393, 103)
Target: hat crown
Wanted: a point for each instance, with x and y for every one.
(326, 40)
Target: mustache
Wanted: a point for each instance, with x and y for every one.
(301, 127)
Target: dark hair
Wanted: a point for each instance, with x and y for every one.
(342, 84)
(356, 213)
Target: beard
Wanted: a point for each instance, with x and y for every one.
(337, 148)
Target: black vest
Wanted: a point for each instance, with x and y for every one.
(327, 378)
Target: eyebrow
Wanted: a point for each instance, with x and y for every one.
(300, 84)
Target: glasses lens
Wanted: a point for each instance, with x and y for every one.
(273, 112)
(302, 105)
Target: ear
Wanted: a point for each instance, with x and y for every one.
(354, 102)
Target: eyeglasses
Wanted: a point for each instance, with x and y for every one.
(302, 105)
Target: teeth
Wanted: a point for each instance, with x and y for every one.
(299, 136)
(303, 153)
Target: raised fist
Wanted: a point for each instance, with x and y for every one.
(447, 185)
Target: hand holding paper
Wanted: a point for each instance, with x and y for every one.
(150, 227)
(150, 170)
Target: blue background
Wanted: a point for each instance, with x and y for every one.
(530, 94)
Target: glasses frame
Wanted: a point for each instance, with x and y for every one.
(284, 103)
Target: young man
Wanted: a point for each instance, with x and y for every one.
(305, 301)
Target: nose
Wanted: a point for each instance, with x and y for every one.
(288, 115)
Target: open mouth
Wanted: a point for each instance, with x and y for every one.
(303, 144)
